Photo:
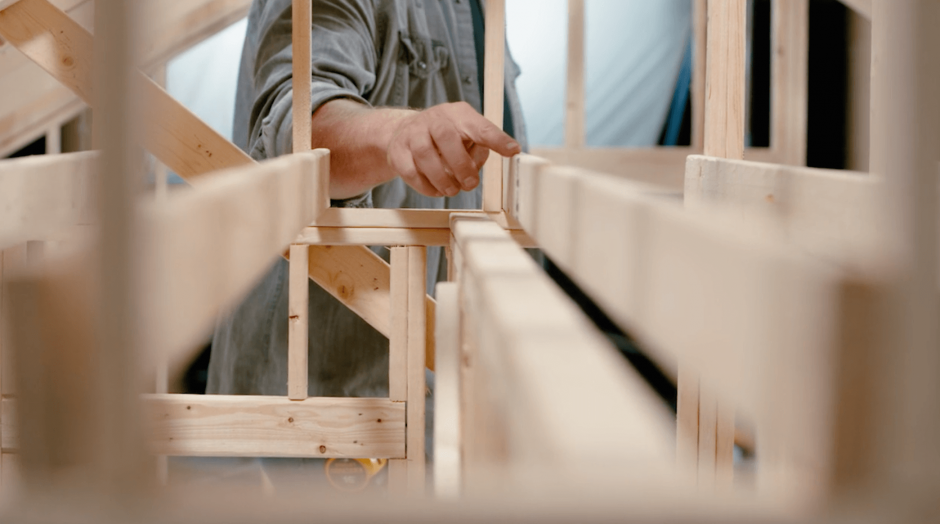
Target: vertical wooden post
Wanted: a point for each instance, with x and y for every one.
(725, 79)
(687, 420)
(301, 22)
(575, 132)
(699, 32)
(907, 134)
(54, 140)
(790, 70)
(447, 455)
(417, 388)
(724, 137)
(398, 356)
(493, 92)
(297, 335)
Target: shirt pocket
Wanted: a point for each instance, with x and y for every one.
(425, 57)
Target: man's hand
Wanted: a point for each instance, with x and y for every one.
(440, 150)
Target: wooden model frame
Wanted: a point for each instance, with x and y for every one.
(486, 260)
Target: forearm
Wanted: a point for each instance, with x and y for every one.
(357, 137)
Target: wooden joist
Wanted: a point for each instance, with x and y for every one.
(203, 249)
(42, 197)
(833, 215)
(533, 353)
(746, 311)
(176, 136)
(256, 426)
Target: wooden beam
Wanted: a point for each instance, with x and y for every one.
(398, 356)
(698, 288)
(575, 130)
(257, 426)
(525, 327)
(297, 334)
(417, 389)
(834, 215)
(203, 249)
(790, 66)
(493, 88)
(301, 23)
(724, 77)
(42, 197)
(447, 448)
(174, 26)
(699, 34)
(184, 143)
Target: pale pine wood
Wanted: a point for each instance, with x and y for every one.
(54, 140)
(42, 196)
(493, 91)
(301, 13)
(251, 214)
(417, 389)
(662, 166)
(707, 436)
(525, 328)
(834, 215)
(257, 426)
(575, 131)
(724, 441)
(14, 262)
(176, 25)
(398, 321)
(398, 355)
(699, 34)
(790, 80)
(724, 78)
(297, 335)
(687, 418)
(333, 236)
(176, 138)
(447, 448)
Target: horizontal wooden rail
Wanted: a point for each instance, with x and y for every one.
(204, 248)
(254, 426)
(540, 368)
(42, 197)
(832, 215)
(759, 321)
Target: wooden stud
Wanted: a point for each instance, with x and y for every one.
(398, 355)
(447, 448)
(297, 335)
(575, 130)
(687, 420)
(300, 38)
(790, 70)
(699, 34)
(417, 389)
(54, 140)
(707, 436)
(493, 89)
(725, 79)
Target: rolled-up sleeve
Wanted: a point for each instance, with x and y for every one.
(343, 65)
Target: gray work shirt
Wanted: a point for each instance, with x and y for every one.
(400, 53)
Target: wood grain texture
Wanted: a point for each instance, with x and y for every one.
(575, 131)
(297, 321)
(525, 328)
(699, 34)
(417, 389)
(42, 197)
(494, 74)
(376, 236)
(256, 426)
(447, 448)
(204, 248)
(725, 78)
(790, 80)
(301, 21)
(398, 322)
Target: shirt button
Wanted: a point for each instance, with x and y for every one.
(468, 79)
(422, 65)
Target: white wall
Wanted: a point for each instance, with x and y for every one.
(634, 50)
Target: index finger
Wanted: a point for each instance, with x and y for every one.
(483, 132)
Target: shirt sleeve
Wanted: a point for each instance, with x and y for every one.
(343, 66)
